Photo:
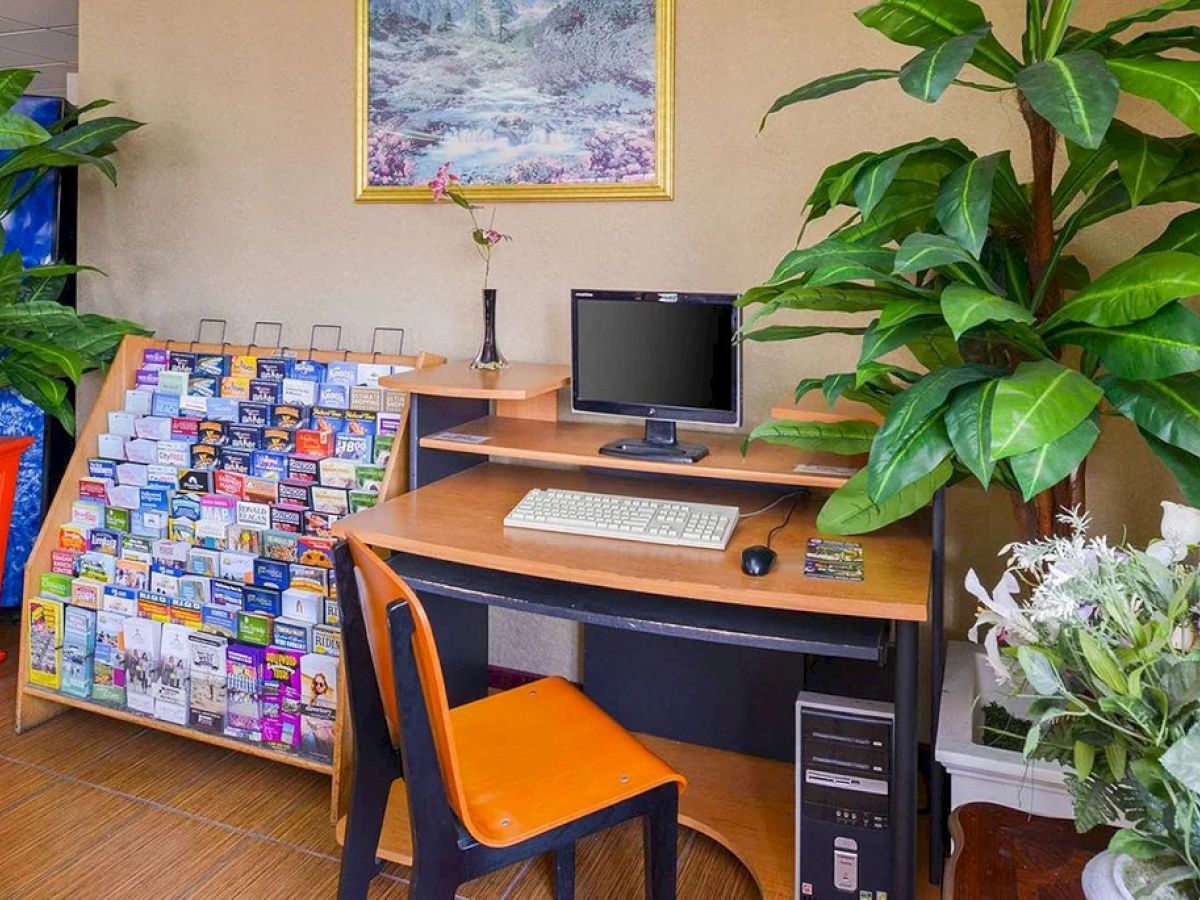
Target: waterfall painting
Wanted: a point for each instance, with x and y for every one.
(528, 99)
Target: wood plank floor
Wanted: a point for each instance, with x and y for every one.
(92, 807)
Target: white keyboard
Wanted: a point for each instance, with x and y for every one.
(626, 518)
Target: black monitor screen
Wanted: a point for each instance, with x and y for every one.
(634, 353)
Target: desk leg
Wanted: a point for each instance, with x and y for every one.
(904, 815)
(937, 674)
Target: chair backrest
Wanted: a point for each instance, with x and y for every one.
(382, 588)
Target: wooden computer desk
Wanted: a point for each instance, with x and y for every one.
(451, 545)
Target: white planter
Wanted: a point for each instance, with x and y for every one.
(987, 774)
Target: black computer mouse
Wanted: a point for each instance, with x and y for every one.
(757, 560)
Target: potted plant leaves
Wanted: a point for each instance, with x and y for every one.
(45, 345)
(971, 268)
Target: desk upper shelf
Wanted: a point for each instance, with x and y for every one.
(579, 443)
(520, 381)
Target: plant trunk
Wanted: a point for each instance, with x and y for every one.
(1038, 517)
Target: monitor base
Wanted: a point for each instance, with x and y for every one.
(659, 445)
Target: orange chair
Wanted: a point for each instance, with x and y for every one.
(490, 783)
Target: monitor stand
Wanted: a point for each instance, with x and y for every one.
(659, 444)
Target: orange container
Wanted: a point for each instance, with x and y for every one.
(11, 449)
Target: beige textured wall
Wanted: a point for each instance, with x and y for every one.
(237, 201)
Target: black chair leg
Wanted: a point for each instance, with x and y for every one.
(368, 804)
(564, 872)
(661, 830)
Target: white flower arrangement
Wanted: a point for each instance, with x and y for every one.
(1103, 638)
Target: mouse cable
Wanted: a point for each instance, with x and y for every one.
(782, 525)
(774, 503)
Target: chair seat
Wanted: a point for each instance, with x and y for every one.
(540, 756)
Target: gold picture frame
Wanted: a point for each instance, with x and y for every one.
(662, 188)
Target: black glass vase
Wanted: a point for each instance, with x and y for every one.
(489, 355)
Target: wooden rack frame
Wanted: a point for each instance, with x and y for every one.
(36, 705)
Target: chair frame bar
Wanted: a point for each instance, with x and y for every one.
(445, 855)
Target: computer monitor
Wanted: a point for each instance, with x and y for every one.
(664, 357)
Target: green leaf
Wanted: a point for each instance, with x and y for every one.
(17, 131)
(1075, 92)
(827, 253)
(906, 208)
(929, 23)
(1143, 160)
(1182, 760)
(1167, 409)
(850, 511)
(965, 307)
(1133, 290)
(1086, 168)
(795, 332)
(1039, 671)
(88, 137)
(806, 386)
(1116, 754)
(1166, 344)
(914, 408)
(935, 349)
(920, 252)
(879, 340)
(969, 425)
(1084, 759)
(896, 464)
(1171, 83)
(851, 299)
(1041, 402)
(873, 183)
(13, 83)
(824, 87)
(66, 361)
(1181, 683)
(1056, 27)
(1034, 35)
(1103, 663)
(847, 438)
(964, 202)
(834, 184)
(37, 317)
(900, 311)
(1149, 14)
(1184, 466)
(48, 393)
(1152, 42)
(1182, 235)
(1046, 466)
(1128, 842)
(927, 75)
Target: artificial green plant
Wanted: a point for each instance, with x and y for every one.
(1020, 346)
(44, 344)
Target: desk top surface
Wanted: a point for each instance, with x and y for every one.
(460, 519)
(520, 381)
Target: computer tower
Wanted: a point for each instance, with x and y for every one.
(843, 798)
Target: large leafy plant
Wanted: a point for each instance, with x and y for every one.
(44, 344)
(1102, 643)
(973, 270)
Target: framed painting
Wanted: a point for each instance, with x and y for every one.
(529, 99)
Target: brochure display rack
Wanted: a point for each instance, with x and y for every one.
(179, 580)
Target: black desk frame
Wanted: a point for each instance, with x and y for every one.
(464, 592)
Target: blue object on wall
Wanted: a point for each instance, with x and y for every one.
(32, 228)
